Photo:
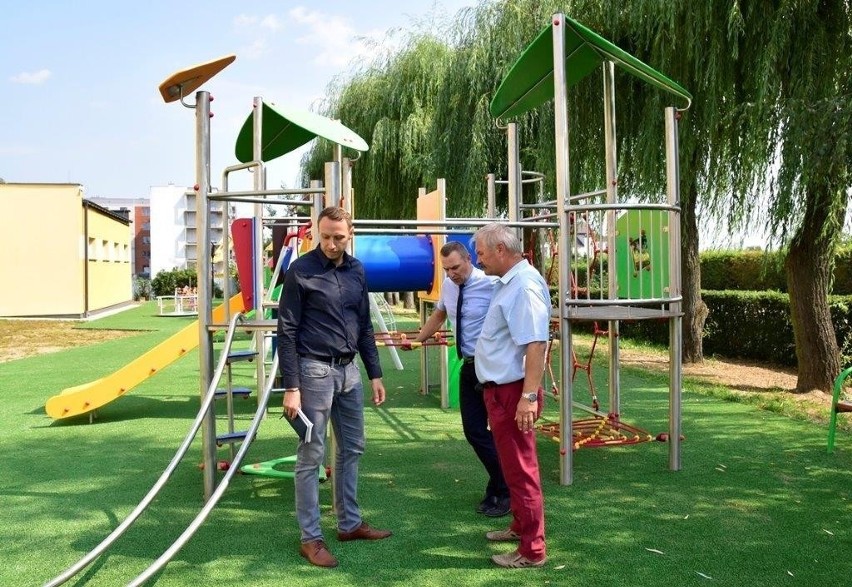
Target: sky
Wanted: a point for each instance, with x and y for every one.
(79, 99)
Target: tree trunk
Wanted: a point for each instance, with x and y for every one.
(408, 300)
(694, 309)
(809, 266)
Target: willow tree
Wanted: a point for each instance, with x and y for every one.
(390, 103)
(770, 122)
(804, 74)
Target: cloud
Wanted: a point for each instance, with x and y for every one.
(31, 77)
(340, 44)
(270, 22)
(255, 49)
(244, 21)
(256, 29)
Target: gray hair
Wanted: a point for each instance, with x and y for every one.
(495, 234)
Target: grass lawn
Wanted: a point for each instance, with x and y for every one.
(758, 502)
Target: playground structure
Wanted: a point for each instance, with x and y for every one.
(564, 53)
(839, 405)
(184, 302)
(271, 131)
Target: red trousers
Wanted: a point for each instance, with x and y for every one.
(519, 460)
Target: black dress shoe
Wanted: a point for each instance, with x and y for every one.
(498, 507)
(484, 505)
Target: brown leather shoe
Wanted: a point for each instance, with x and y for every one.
(363, 532)
(317, 554)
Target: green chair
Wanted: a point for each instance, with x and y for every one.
(838, 406)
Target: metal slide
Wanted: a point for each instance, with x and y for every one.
(167, 473)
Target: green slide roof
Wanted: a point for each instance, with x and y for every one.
(286, 129)
(529, 83)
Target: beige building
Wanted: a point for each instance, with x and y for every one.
(60, 254)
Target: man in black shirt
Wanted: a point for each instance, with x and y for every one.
(323, 321)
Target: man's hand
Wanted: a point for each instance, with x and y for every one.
(527, 413)
(378, 391)
(404, 343)
(292, 402)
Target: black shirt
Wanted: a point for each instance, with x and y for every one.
(324, 311)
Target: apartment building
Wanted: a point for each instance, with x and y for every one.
(174, 237)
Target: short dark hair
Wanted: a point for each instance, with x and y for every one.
(455, 247)
(335, 213)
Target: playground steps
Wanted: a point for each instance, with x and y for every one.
(231, 437)
(244, 355)
(243, 392)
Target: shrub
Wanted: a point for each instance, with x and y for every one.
(142, 288)
(751, 325)
(761, 271)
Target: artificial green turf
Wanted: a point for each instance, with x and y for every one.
(758, 502)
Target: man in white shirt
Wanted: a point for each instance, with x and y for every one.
(474, 289)
(510, 355)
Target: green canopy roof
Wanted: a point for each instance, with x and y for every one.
(286, 129)
(529, 83)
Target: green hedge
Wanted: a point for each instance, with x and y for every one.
(751, 325)
(761, 271)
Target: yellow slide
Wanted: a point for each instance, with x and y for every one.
(90, 396)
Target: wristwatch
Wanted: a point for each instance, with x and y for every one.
(532, 396)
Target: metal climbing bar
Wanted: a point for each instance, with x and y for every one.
(170, 552)
(164, 477)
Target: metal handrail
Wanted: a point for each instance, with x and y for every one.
(164, 477)
(181, 540)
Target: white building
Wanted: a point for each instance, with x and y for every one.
(174, 237)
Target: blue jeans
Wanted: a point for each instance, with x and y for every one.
(336, 394)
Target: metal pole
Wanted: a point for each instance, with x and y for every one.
(346, 185)
(611, 151)
(676, 321)
(205, 285)
(258, 183)
(332, 186)
(491, 210)
(514, 178)
(563, 189)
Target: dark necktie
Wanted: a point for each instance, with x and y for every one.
(459, 321)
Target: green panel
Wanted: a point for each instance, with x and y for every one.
(529, 82)
(454, 366)
(286, 129)
(642, 264)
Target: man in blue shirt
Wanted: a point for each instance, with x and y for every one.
(323, 321)
(477, 289)
(510, 354)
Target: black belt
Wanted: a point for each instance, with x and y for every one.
(467, 360)
(345, 360)
(489, 385)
